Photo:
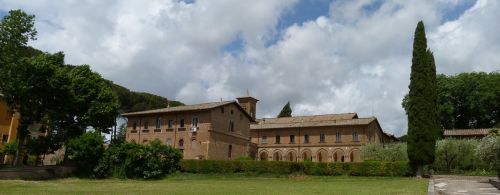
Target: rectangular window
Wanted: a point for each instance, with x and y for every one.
(5, 138)
(292, 139)
(146, 125)
(355, 136)
(170, 123)
(264, 139)
(306, 138)
(134, 126)
(182, 123)
(195, 122)
(322, 137)
(231, 125)
(222, 110)
(338, 137)
(277, 139)
(158, 122)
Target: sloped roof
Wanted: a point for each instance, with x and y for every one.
(187, 108)
(312, 118)
(312, 121)
(466, 132)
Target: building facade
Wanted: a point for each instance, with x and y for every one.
(218, 130)
(317, 138)
(225, 130)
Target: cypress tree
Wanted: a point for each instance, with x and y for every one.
(286, 111)
(423, 126)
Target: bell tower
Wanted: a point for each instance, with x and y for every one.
(249, 104)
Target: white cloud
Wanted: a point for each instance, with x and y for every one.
(351, 60)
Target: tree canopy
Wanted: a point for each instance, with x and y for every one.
(468, 100)
(423, 125)
(286, 111)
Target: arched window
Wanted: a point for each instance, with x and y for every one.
(181, 143)
(263, 156)
(229, 151)
(306, 138)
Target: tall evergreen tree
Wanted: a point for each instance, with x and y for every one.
(286, 111)
(423, 127)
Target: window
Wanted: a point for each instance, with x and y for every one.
(158, 122)
(322, 137)
(222, 110)
(5, 138)
(195, 122)
(306, 138)
(145, 141)
(264, 139)
(355, 136)
(170, 123)
(231, 125)
(134, 126)
(232, 112)
(277, 139)
(182, 123)
(292, 139)
(338, 137)
(181, 143)
(146, 124)
(229, 151)
(169, 142)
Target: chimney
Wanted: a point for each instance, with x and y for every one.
(249, 104)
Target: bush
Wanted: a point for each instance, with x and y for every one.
(388, 152)
(456, 154)
(369, 168)
(489, 150)
(132, 160)
(86, 151)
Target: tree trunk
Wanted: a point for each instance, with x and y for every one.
(21, 131)
(420, 171)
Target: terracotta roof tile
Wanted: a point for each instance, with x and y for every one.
(313, 121)
(465, 132)
(193, 107)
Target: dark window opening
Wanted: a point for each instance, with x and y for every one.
(277, 139)
(292, 139)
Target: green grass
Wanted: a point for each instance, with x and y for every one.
(222, 184)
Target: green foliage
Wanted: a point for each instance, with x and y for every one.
(467, 100)
(489, 150)
(389, 152)
(136, 101)
(423, 125)
(86, 150)
(456, 154)
(286, 111)
(9, 148)
(131, 160)
(369, 168)
(16, 29)
(42, 145)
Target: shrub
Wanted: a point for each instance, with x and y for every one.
(86, 151)
(132, 160)
(388, 152)
(456, 154)
(489, 150)
(368, 168)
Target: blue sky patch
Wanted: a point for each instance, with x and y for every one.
(453, 13)
(303, 11)
(235, 46)
(2, 13)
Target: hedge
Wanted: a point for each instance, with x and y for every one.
(367, 168)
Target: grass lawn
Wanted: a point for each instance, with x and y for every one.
(221, 184)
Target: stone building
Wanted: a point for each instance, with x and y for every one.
(317, 138)
(225, 130)
(217, 130)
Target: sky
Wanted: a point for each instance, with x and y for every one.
(324, 56)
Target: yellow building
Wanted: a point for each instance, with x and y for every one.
(8, 126)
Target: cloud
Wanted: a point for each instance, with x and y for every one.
(356, 58)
